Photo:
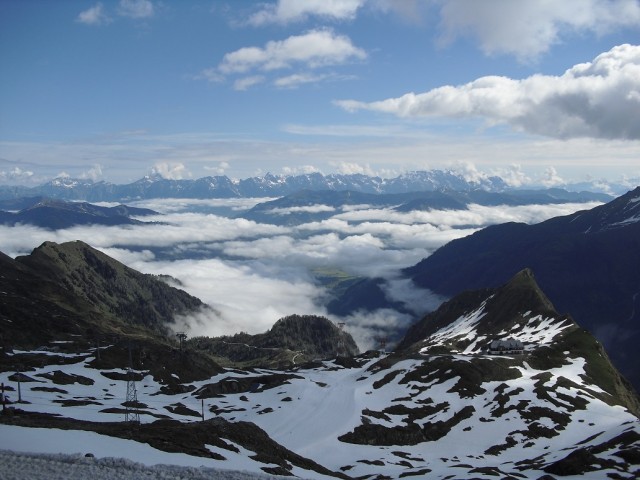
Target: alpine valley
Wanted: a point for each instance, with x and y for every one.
(494, 382)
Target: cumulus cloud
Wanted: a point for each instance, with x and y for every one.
(289, 11)
(550, 178)
(525, 29)
(528, 28)
(95, 15)
(16, 174)
(600, 99)
(300, 170)
(94, 173)
(352, 168)
(512, 175)
(315, 49)
(170, 170)
(219, 169)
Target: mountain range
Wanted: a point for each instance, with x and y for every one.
(269, 185)
(438, 406)
(307, 206)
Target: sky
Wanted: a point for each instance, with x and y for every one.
(116, 90)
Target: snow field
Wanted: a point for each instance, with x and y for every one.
(325, 403)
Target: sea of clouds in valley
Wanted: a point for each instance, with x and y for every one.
(252, 274)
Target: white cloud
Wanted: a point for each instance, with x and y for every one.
(368, 328)
(512, 175)
(289, 11)
(210, 74)
(417, 300)
(550, 178)
(219, 169)
(313, 49)
(93, 16)
(318, 208)
(310, 51)
(16, 174)
(247, 298)
(135, 8)
(297, 79)
(469, 172)
(352, 168)
(245, 83)
(528, 28)
(170, 170)
(94, 173)
(594, 99)
(300, 170)
(525, 29)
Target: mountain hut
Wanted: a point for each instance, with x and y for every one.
(506, 347)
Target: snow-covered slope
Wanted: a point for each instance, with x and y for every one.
(466, 415)
(438, 407)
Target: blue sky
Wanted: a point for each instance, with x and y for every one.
(536, 91)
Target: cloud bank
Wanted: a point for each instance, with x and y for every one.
(252, 274)
(600, 99)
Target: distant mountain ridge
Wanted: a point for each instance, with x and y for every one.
(268, 185)
(316, 205)
(54, 213)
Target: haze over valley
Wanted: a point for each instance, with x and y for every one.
(255, 273)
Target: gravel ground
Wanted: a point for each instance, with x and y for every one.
(32, 466)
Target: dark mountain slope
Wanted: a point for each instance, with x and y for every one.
(109, 286)
(36, 311)
(55, 214)
(291, 341)
(588, 263)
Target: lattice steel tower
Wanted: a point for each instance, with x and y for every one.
(131, 414)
